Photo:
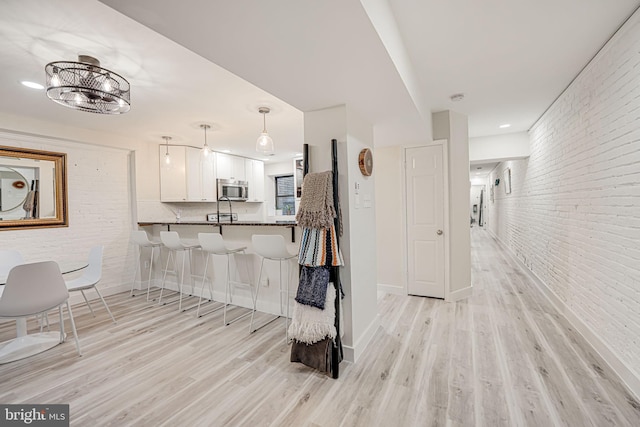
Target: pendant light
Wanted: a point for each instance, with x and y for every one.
(86, 86)
(264, 143)
(167, 158)
(205, 148)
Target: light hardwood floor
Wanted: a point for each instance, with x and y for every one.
(503, 357)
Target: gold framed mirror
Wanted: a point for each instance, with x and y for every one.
(33, 189)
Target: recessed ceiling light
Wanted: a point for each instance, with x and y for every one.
(457, 97)
(504, 126)
(32, 85)
(226, 151)
(266, 159)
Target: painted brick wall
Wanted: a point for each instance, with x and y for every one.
(573, 216)
(99, 211)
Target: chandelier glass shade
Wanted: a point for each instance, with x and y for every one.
(206, 151)
(86, 86)
(264, 144)
(167, 157)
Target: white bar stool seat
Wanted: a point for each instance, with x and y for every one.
(171, 240)
(140, 238)
(273, 248)
(213, 244)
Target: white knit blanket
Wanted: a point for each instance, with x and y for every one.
(310, 324)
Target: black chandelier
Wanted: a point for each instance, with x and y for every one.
(86, 86)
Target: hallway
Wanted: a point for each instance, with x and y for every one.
(528, 356)
(501, 358)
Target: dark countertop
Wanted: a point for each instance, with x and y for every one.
(289, 224)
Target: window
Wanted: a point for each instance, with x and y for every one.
(285, 196)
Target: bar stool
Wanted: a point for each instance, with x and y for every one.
(171, 240)
(213, 244)
(140, 238)
(272, 247)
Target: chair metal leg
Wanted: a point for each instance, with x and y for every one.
(286, 301)
(73, 327)
(42, 319)
(153, 248)
(255, 298)
(184, 254)
(135, 273)
(204, 278)
(164, 277)
(62, 337)
(87, 301)
(105, 304)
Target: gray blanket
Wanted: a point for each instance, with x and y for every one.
(312, 288)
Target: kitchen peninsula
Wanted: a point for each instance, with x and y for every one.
(169, 224)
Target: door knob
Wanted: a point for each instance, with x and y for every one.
(439, 232)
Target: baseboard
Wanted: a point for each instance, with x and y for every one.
(460, 294)
(626, 375)
(391, 289)
(353, 353)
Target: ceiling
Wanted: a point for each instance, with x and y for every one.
(392, 61)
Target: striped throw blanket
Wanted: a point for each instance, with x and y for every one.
(319, 247)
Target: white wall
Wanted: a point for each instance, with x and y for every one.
(453, 127)
(389, 190)
(499, 147)
(358, 244)
(573, 217)
(98, 202)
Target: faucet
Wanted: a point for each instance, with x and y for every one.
(218, 208)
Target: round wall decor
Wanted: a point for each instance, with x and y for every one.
(365, 161)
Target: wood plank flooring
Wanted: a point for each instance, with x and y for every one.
(503, 357)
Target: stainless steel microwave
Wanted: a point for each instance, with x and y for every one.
(236, 191)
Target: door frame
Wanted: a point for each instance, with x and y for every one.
(444, 143)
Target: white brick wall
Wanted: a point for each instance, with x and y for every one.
(99, 210)
(573, 216)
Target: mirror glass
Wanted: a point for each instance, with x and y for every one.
(14, 188)
(32, 188)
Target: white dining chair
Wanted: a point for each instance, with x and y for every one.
(213, 244)
(171, 240)
(90, 278)
(273, 248)
(141, 239)
(34, 289)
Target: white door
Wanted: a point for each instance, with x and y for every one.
(425, 221)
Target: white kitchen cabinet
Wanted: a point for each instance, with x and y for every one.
(188, 178)
(255, 177)
(230, 167)
(201, 181)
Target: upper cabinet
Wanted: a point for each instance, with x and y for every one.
(189, 177)
(230, 167)
(255, 177)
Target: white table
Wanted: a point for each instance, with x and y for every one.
(25, 345)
